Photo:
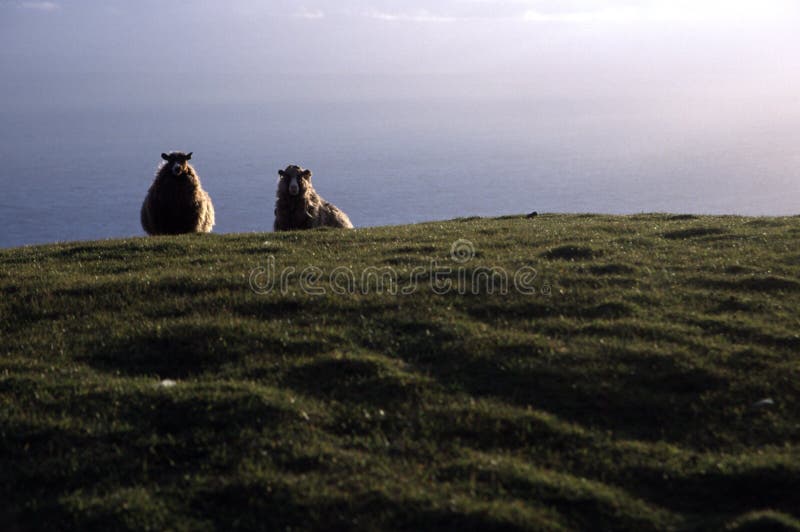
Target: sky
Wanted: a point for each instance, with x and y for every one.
(126, 52)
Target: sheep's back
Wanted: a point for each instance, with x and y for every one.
(330, 215)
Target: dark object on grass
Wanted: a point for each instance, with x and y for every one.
(176, 202)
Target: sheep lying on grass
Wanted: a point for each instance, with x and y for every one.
(176, 202)
(298, 205)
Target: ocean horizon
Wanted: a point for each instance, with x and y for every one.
(81, 173)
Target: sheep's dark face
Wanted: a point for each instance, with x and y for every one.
(294, 180)
(177, 162)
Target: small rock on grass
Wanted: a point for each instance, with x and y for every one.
(764, 403)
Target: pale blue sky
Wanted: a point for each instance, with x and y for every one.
(131, 52)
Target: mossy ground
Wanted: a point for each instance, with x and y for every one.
(620, 392)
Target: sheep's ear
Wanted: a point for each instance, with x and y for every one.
(281, 173)
(189, 156)
(165, 156)
(306, 173)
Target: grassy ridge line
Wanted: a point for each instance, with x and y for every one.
(622, 399)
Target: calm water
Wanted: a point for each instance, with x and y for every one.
(82, 174)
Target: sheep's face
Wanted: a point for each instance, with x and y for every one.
(294, 180)
(177, 162)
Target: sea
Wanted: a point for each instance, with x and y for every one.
(81, 173)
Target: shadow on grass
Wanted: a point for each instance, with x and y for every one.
(746, 334)
(587, 508)
(352, 380)
(650, 398)
(769, 283)
(607, 311)
(263, 309)
(186, 350)
(572, 253)
(272, 506)
(694, 232)
(612, 269)
(161, 437)
(726, 493)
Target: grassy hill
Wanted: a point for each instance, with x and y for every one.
(638, 373)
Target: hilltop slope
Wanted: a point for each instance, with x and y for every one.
(617, 383)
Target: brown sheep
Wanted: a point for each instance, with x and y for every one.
(176, 202)
(298, 205)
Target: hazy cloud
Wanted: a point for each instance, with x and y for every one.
(420, 15)
(307, 13)
(151, 50)
(40, 6)
(654, 11)
(569, 11)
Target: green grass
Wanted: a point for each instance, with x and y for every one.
(620, 395)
